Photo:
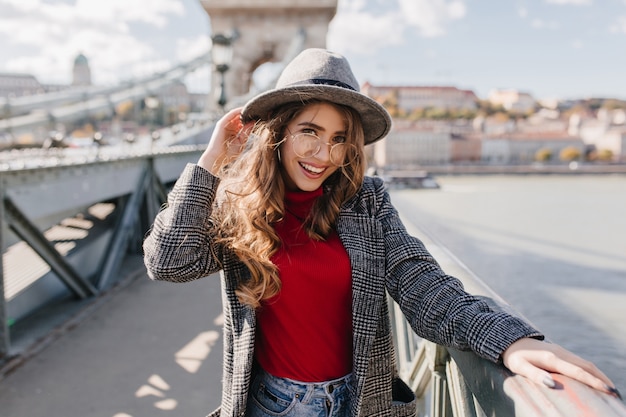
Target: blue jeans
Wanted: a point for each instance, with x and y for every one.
(271, 396)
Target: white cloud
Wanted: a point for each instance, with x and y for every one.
(574, 2)
(24, 5)
(54, 33)
(619, 26)
(542, 24)
(430, 17)
(152, 12)
(522, 12)
(354, 29)
(189, 48)
(351, 6)
(199, 81)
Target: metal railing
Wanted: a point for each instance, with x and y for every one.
(29, 112)
(447, 382)
(67, 228)
(452, 383)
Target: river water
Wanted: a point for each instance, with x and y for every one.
(554, 247)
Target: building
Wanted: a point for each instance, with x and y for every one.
(175, 96)
(607, 132)
(411, 144)
(198, 102)
(81, 74)
(410, 98)
(465, 148)
(613, 140)
(18, 85)
(522, 147)
(513, 100)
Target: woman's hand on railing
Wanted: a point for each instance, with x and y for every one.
(536, 359)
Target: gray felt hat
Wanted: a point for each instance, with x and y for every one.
(323, 75)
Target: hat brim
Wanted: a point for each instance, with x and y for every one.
(376, 120)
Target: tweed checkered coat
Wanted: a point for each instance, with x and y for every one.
(384, 258)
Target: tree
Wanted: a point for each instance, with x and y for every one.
(543, 155)
(604, 155)
(125, 110)
(570, 153)
(390, 102)
(487, 108)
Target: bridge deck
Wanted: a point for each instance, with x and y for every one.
(143, 349)
(146, 348)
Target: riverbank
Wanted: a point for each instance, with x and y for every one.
(425, 175)
(529, 169)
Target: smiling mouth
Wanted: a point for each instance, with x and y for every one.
(312, 169)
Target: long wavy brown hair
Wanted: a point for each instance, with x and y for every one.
(251, 198)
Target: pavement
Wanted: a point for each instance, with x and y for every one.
(144, 349)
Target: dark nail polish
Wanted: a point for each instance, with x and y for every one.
(613, 390)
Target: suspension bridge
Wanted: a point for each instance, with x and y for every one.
(83, 332)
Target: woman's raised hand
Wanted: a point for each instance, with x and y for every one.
(227, 141)
(536, 359)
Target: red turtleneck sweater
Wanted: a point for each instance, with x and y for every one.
(306, 330)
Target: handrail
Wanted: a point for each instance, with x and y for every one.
(83, 257)
(63, 105)
(449, 382)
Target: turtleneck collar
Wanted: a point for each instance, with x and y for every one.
(299, 203)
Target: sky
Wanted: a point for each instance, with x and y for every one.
(564, 49)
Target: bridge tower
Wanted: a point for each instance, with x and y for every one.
(265, 30)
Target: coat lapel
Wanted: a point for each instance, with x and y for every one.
(362, 237)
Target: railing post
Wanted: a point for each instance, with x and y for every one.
(461, 384)
(30, 234)
(156, 194)
(440, 394)
(440, 405)
(4, 325)
(122, 234)
(462, 400)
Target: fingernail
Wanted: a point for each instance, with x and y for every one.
(549, 382)
(613, 390)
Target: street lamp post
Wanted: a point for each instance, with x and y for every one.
(221, 55)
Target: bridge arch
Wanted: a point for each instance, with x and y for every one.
(265, 32)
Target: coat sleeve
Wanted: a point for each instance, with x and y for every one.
(179, 246)
(436, 304)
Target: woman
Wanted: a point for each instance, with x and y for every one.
(308, 248)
